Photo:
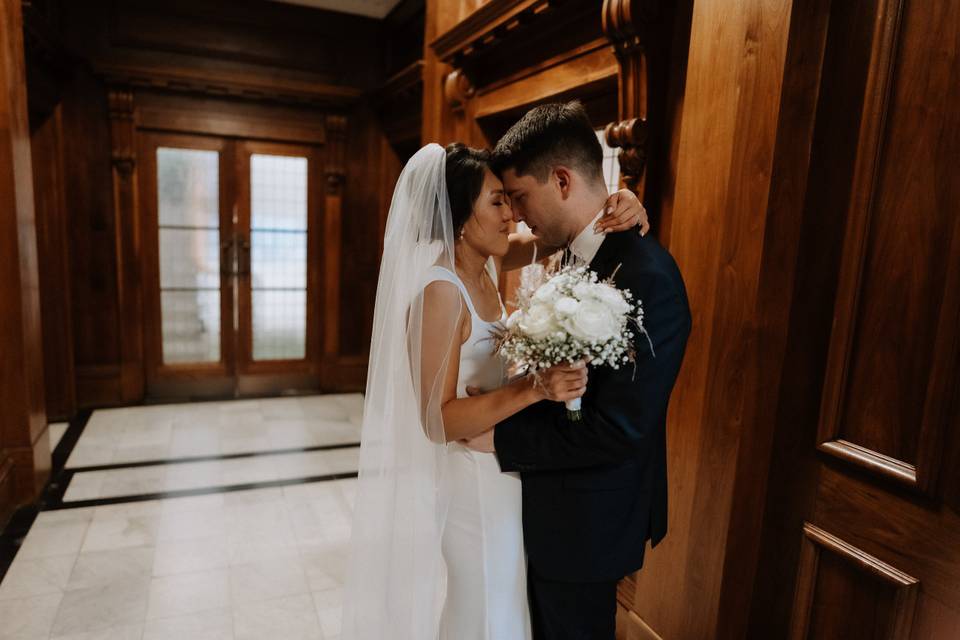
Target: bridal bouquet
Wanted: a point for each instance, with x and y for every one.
(567, 316)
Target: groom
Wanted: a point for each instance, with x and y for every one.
(594, 491)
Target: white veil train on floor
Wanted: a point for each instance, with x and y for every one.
(396, 578)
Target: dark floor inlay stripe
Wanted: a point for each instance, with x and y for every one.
(183, 493)
(212, 458)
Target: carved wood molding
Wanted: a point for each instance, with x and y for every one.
(923, 473)
(402, 84)
(237, 85)
(488, 25)
(816, 541)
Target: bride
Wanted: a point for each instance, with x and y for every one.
(437, 550)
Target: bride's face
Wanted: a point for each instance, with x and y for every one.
(487, 230)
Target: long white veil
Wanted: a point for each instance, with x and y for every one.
(396, 577)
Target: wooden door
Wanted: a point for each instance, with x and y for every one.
(230, 263)
(879, 550)
(278, 271)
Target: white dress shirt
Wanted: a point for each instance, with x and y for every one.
(587, 242)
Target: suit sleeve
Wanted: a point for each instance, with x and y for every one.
(623, 409)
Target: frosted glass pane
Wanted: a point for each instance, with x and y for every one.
(279, 324)
(189, 258)
(189, 222)
(191, 326)
(188, 184)
(278, 192)
(278, 256)
(279, 260)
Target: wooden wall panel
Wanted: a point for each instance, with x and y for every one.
(879, 237)
(898, 282)
(24, 439)
(53, 250)
(93, 259)
(697, 582)
(843, 592)
(372, 170)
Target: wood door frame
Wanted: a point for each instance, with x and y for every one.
(262, 126)
(166, 379)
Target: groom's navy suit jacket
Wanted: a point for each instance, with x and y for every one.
(594, 491)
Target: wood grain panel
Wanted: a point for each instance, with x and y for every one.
(53, 250)
(597, 65)
(23, 426)
(93, 266)
(881, 410)
(843, 592)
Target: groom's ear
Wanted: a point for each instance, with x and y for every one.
(561, 177)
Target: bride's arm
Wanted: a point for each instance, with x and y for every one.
(467, 417)
(623, 211)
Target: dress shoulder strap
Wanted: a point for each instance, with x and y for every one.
(438, 273)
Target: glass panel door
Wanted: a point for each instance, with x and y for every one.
(232, 268)
(278, 245)
(278, 276)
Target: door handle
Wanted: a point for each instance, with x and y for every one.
(228, 257)
(243, 257)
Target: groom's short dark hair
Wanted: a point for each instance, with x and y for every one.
(550, 135)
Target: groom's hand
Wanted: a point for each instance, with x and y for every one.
(482, 443)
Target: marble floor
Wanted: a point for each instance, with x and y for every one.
(125, 556)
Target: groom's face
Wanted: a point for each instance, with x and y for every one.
(537, 204)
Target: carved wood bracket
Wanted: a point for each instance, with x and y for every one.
(640, 32)
(122, 155)
(457, 89)
(631, 137)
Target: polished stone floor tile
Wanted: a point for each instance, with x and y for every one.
(265, 563)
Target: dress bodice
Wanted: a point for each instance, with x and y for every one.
(479, 365)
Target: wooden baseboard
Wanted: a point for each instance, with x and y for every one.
(8, 503)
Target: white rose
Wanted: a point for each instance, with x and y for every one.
(566, 306)
(545, 292)
(593, 322)
(514, 319)
(538, 322)
(612, 297)
(582, 290)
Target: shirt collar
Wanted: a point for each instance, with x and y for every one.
(587, 242)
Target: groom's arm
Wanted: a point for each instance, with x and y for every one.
(623, 409)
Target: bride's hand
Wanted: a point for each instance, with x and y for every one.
(562, 382)
(622, 211)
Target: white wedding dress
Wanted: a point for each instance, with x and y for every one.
(486, 596)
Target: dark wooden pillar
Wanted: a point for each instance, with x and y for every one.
(335, 174)
(24, 440)
(128, 246)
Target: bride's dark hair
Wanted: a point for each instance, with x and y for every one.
(464, 171)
